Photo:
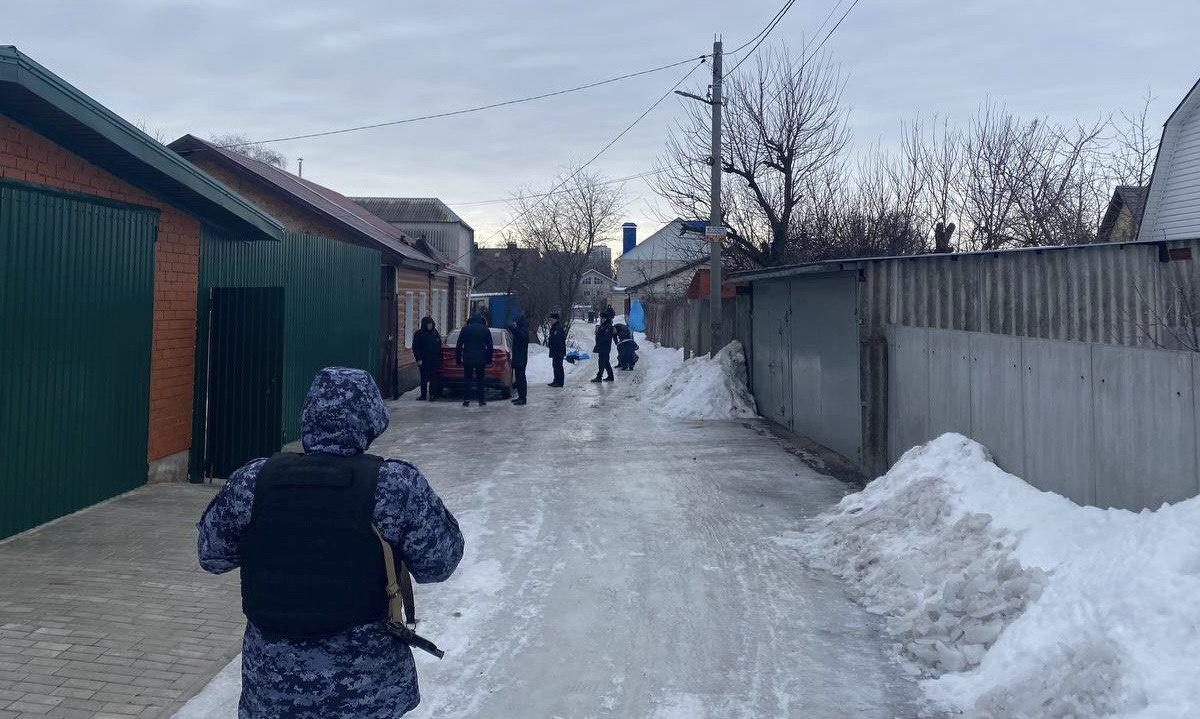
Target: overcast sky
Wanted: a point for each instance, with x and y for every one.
(271, 68)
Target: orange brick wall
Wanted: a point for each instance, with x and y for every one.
(26, 155)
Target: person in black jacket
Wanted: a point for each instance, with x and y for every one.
(520, 356)
(557, 344)
(604, 345)
(473, 353)
(626, 347)
(427, 349)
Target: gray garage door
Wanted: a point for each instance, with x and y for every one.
(806, 358)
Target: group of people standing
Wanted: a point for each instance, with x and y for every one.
(609, 335)
(474, 351)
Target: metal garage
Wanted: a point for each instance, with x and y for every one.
(805, 357)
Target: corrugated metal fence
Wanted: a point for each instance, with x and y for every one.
(685, 323)
(1131, 294)
(1101, 424)
(331, 311)
(76, 315)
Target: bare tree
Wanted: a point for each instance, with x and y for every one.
(564, 227)
(784, 124)
(159, 136)
(254, 150)
(1135, 146)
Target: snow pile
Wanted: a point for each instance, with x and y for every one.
(1020, 603)
(541, 368)
(704, 387)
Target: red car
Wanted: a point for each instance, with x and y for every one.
(497, 375)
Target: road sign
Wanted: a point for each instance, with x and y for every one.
(714, 233)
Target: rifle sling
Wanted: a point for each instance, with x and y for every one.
(402, 610)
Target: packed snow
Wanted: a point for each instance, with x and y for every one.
(702, 387)
(1019, 603)
(541, 368)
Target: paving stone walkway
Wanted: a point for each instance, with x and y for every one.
(106, 613)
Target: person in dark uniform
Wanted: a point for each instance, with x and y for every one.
(626, 348)
(604, 345)
(307, 531)
(557, 344)
(520, 356)
(473, 353)
(427, 349)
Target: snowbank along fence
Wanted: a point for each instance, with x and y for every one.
(820, 348)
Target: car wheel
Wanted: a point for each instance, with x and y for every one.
(506, 393)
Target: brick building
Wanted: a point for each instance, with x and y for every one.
(416, 280)
(99, 251)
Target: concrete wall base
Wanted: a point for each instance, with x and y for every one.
(172, 468)
(409, 378)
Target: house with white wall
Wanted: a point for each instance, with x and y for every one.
(1173, 203)
(666, 250)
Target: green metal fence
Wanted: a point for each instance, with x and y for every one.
(331, 314)
(76, 316)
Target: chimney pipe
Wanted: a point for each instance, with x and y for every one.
(629, 236)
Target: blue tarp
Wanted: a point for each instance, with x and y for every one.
(637, 316)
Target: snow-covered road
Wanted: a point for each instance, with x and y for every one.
(621, 563)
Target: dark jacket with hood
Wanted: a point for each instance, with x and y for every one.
(474, 343)
(557, 341)
(427, 344)
(605, 336)
(520, 334)
(363, 672)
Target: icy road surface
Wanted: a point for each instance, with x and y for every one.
(625, 564)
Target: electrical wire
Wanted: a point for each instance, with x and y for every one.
(762, 36)
(766, 28)
(616, 181)
(595, 157)
(468, 110)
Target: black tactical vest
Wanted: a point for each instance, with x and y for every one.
(311, 565)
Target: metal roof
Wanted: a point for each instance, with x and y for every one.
(851, 263)
(39, 99)
(336, 207)
(410, 209)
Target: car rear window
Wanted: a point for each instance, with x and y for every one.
(499, 338)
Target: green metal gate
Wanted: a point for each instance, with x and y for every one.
(76, 315)
(245, 377)
(331, 314)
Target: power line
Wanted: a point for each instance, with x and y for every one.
(468, 110)
(766, 28)
(595, 157)
(762, 36)
(616, 181)
(835, 27)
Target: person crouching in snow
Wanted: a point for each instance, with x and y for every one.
(427, 349)
(626, 347)
(307, 531)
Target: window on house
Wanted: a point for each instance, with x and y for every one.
(409, 307)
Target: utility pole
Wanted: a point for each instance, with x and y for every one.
(715, 232)
(714, 212)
